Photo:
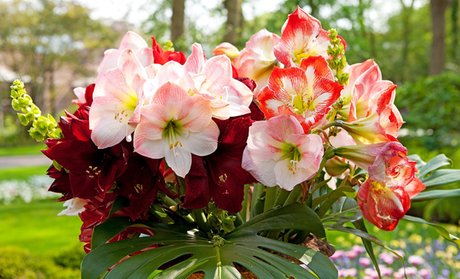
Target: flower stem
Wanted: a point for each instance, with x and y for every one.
(270, 198)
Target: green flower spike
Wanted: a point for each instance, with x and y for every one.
(43, 127)
(337, 61)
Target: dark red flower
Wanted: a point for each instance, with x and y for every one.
(161, 57)
(220, 176)
(90, 170)
(140, 184)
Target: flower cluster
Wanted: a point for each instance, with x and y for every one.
(287, 111)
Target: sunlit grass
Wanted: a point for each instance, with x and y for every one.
(36, 227)
(22, 150)
(22, 173)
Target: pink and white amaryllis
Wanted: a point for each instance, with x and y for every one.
(257, 60)
(130, 41)
(301, 37)
(117, 96)
(213, 80)
(369, 105)
(307, 92)
(174, 126)
(278, 152)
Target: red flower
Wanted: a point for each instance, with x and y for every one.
(220, 176)
(383, 206)
(90, 170)
(301, 37)
(306, 93)
(161, 57)
(140, 184)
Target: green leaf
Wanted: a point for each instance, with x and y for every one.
(185, 253)
(327, 200)
(295, 216)
(441, 230)
(110, 228)
(436, 194)
(359, 224)
(189, 254)
(437, 162)
(442, 177)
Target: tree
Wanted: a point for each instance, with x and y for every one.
(177, 19)
(234, 22)
(406, 13)
(54, 42)
(438, 21)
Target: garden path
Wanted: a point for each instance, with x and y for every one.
(23, 161)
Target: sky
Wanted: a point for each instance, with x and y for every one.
(137, 11)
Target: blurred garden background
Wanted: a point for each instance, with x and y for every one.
(55, 46)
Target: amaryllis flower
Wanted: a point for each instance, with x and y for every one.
(174, 126)
(219, 176)
(383, 206)
(115, 110)
(301, 37)
(140, 184)
(213, 79)
(130, 41)
(369, 105)
(257, 60)
(89, 170)
(386, 162)
(226, 49)
(161, 56)
(307, 93)
(278, 152)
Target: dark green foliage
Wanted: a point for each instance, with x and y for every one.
(70, 257)
(431, 105)
(19, 263)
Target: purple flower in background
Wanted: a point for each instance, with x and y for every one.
(387, 258)
(364, 262)
(415, 260)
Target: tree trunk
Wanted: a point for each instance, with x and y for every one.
(406, 34)
(454, 30)
(438, 21)
(234, 20)
(177, 19)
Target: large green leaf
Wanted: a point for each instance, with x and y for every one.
(442, 177)
(436, 194)
(295, 216)
(170, 254)
(437, 162)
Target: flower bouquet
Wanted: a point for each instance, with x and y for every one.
(234, 165)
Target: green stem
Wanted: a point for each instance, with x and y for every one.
(257, 192)
(270, 198)
(328, 125)
(293, 196)
(281, 197)
(200, 220)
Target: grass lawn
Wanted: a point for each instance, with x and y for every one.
(22, 150)
(37, 228)
(22, 173)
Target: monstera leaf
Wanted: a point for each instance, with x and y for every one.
(177, 254)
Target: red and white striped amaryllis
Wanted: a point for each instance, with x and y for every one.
(383, 206)
(306, 92)
(385, 197)
(301, 37)
(369, 105)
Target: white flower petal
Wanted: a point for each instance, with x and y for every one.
(179, 159)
